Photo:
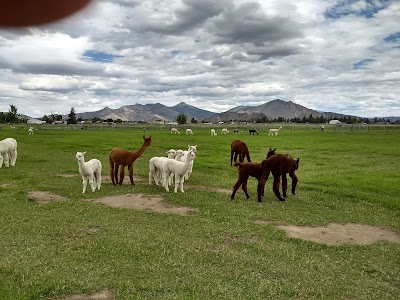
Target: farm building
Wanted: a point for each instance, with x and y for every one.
(334, 122)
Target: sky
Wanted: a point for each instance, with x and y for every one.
(338, 56)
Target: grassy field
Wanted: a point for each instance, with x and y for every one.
(220, 252)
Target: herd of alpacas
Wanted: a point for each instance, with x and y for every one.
(177, 166)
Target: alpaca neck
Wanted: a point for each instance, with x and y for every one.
(138, 153)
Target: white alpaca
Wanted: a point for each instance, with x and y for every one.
(224, 131)
(189, 131)
(213, 133)
(179, 169)
(274, 131)
(192, 148)
(175, 131)
(90, 171)
(8, 152)
(155, 165)
(30, 130)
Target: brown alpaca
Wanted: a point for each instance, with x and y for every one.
(121, 157)
(279, 165)
(239, 148)
(245, 170)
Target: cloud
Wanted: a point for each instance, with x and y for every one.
(326, 55)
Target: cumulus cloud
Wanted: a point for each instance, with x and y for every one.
(327, 55)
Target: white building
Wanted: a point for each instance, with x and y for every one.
(334, 122)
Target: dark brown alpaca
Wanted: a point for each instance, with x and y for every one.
(121, 157)
(245, 170)
(279, 165)
(239, 148)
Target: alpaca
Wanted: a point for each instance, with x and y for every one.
(179, 169)
(224, 131)
(253, 131)
(192, 148)
(155, 166)
(279, 165)
(90, 171)
(213, 133)
(273, 131)
(8, 152)
(175, 131)
(121, 157)
(189, 131)
(30, 130)
(245, 170)
(236, 131)
(239, 148)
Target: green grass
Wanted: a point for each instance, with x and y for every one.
(220, 252)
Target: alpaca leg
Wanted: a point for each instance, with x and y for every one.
(121, 174)
(6, 158)
(294, 182)
(98, 179)
(235, 157)
(116, 172)
(92, 183)
(182, 180)
(231, 157)
(84, 183)
(235, 188)
(244, 188)
(1, 160)
(260, 187)
(275, 188)
(130, 169)
(112, 173)
(177, 182)
(284, 185)
(165, 181)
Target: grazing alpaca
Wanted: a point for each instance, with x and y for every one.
(279, 165)
(30, 130)
(273, 131)
(224, 131)
(121, 157)
(239, 148)
(8, 152)
(213, 133)
(189, 131)
(253, 131)
(155, 166)
(175, 131)
(236, 131)
(179, 169)
(245, 170)
(90, 171)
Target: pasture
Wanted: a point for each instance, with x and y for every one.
(220, 249)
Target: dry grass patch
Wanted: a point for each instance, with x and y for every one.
(209, 188)
(103, 295)
(45, 197)
(337, 234)
(144, 202)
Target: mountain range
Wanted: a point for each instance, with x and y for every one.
(158, 112)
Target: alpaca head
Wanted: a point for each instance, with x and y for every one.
(147, 141)
(191, 156)
(171, 153)
(271, 152)
(192, 148)
(80, 155)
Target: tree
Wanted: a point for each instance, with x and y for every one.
(13, 115)
(72, 117)
(3, 117)
(181, 119)
(193, 120)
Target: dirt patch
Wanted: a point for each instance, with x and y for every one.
(144, 202)
(45, 197)
(104, 295)
(336, 234)
(4, 184)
